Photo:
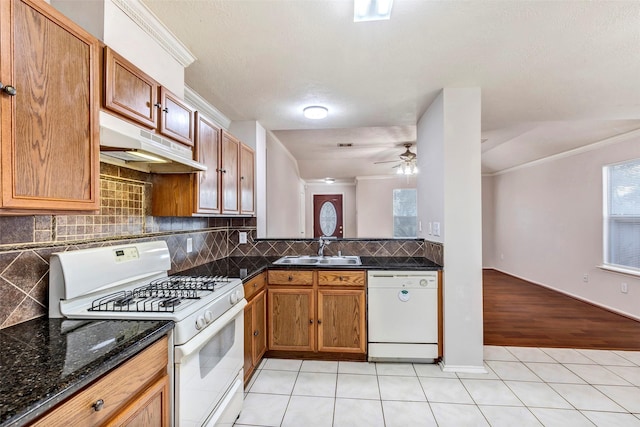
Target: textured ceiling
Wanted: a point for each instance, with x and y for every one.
(554, 75)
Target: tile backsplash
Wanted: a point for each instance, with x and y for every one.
(27, 242)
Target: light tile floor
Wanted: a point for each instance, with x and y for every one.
(522, 387)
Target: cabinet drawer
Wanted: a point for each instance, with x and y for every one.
(284, 277)
(254, 286)
(115, 389)
(341, 278)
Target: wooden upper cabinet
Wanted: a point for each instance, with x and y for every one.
(49, 147)
(207, 152)
(229, 174)
(247, 180)
(128, 90)
(133, 94)
(177, 119)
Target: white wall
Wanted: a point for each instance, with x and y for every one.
(548, 225)
(374, 204)
(488, 220)
(282, 190)
(449, 191)
(348, 192)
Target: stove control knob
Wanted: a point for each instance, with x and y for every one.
(200, 323)
(240, 294)
(234, 298)
(208, 316)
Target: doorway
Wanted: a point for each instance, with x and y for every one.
(327, 215)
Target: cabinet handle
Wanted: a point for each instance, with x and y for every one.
(290, 278)
(242, 177)
(98, 405)
(256, 333)
(9, 90)
(255, 285)
(157, 105)
(319, 321)
(311, 321)
(165, 109)
(340, 278)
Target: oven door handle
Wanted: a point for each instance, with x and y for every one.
(197, 342)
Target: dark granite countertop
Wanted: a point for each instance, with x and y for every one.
(248, 267)
(44, 361)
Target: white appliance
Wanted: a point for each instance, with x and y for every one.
(127, 145)
(403, 316)
(131, 282)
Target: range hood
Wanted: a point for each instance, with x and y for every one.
(127, 145)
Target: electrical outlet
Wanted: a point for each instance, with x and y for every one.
(623, 288)
(585, 278)
(436, 229)
(189, 245)
(242, 237)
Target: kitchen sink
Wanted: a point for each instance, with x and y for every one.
(321, 261)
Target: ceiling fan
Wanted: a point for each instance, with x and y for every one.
(407, 163)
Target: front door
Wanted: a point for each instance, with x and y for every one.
(327, 215)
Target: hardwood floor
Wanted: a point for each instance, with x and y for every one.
(519, 313)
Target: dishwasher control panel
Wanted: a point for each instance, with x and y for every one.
(403, 279)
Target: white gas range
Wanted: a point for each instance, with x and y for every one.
(131, 282)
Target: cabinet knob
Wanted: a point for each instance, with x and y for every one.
(256, 333)
(311, 321)
(98, 405)
(290, 278)
(9, 90)
(319, 322)
(157, 105)
(165, 109)
(255, 285)
(242, 177)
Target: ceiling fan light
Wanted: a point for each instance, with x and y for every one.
(315, 112)
(400, 171)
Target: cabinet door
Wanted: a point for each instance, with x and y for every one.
(248, 341)
(208, 153)
(291, 319)
(247, 180)
(151, 409)
(229, 174)
(49, 127)
(259, 321)
(177, 119)
(128, 91)
(341, 320)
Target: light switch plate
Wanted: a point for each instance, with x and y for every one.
(242, 237)
(436, 228)
(189, 245)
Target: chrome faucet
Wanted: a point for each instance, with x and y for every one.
(322, 242)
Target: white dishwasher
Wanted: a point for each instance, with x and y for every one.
(403, 316)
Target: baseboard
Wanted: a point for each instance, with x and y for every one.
(467, 369)
(569, 294)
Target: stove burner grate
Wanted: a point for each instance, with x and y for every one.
(162, 295)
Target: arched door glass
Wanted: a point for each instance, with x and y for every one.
(328, 219)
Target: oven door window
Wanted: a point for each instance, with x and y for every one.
(214, 351)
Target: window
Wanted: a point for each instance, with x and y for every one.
(405, 216)
(622, 215)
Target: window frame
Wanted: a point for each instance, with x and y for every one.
(607, 264)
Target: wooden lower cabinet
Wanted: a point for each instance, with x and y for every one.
(255, 333)
(291, 319)
(134, 394)
(317, 311)
(341, 320)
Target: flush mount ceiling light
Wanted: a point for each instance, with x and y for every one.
(371, 10)
(329, 180)
(315, 112)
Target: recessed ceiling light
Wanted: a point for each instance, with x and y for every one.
(315, 112)
(371, 10)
